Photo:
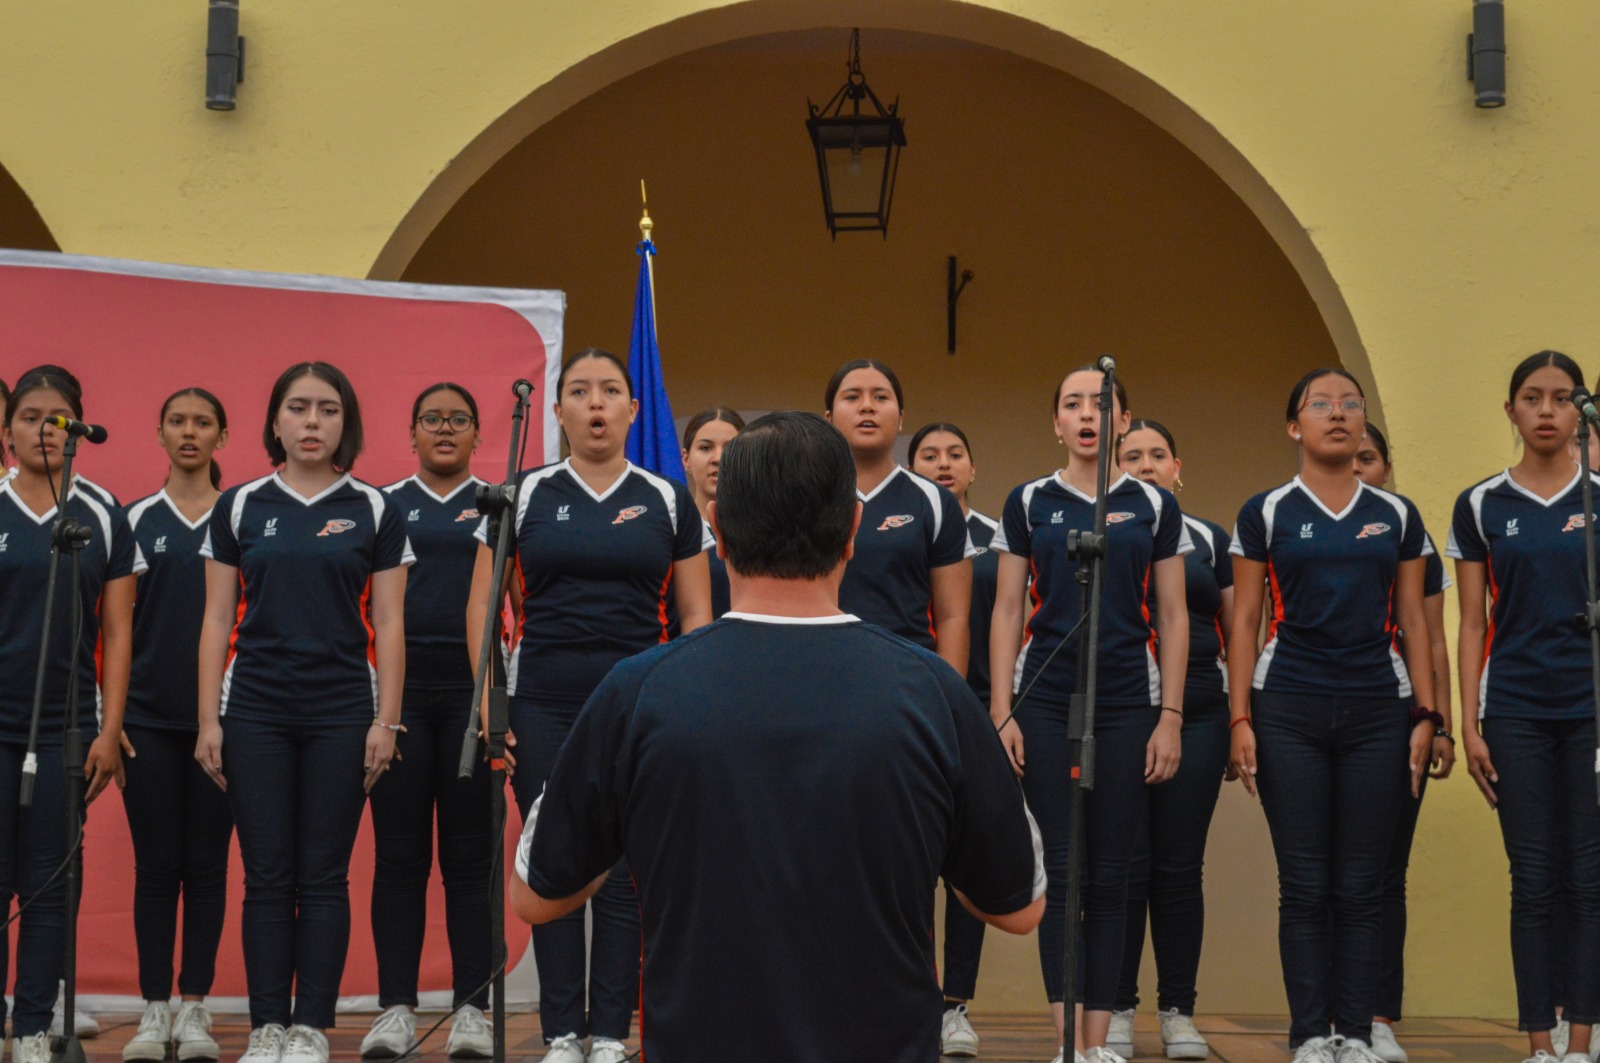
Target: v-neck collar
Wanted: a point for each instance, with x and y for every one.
(314, 499)
(1349, 507)
(7, 486)
(442, 499)
(1553, 499)
(600, 496)
(885, 482)
(176, 512)
(1061, 481)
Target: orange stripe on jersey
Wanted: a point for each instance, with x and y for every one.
(1277, 602)
(366, 620)
(238, 618)
(1038, 602)
(661, 606)
(1144, 609)
(1488, 636)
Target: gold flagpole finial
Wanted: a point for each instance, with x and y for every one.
(645, 224)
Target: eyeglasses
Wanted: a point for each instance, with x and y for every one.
(1324, 408)
(433, 422)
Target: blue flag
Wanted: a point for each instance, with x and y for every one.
(653, 439)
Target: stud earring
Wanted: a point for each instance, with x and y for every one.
(1178, 485)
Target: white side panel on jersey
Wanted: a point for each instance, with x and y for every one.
(663, 487)
(930, 491)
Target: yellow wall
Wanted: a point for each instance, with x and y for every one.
(1438, 242)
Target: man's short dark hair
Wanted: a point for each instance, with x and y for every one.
(786, 497)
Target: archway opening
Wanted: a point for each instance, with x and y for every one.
(21, 226)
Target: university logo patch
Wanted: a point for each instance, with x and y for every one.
(1574, 522)
(563, 514)
(336, 527)
(467, 514)
(629, 514)
(1058, 517)
(1307, 530)
(161, 544)
(414, 515)
(272, 528)
(899, 520)
(1372, 529)
(1511, 526)
(3, 537)
(1118, 518)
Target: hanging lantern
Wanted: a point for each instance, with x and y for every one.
(858, 152)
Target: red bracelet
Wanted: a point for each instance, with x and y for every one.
(1236, 723)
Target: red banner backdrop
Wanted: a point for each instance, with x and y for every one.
(134, 333)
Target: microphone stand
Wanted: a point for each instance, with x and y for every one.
(68, 536)
(1591, 606)
(498, 502)
(1089, 550)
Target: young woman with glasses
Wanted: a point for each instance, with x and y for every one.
(1327, 718)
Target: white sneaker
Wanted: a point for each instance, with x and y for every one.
(1561, 1036)
(1178, 1033)
(83, 1024)
(1101, 1054)
(153, 1036)
(1077, 1057)
(303, 1044)
(956, 1035)
(1119, 1037)
(1384, 1046)
(1541, 1056)
(565, 1049)
(606, 1050)
(1575, 1057)
(35, 1048)
(471, 1036)
(392, 1034)
(191, 1031)
(1317, 1050)
(266, 1044)
(1353, 1050)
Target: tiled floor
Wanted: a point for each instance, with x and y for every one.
(1009, 1038)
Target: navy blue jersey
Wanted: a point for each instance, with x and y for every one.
(720, 602)
(1536, 656)
(1332, 580)
(1207, 572)
(1434, 581)
(441, 533)
(1143, 525)
(909, 527)
(163, 688)
(985, 576)
(105, 497)
(597, 569)
(24, 574)
(786, 824)
(303, 647)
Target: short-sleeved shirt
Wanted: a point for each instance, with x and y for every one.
(985, 577)
(786, 824)
(597, 568)
(441, 531)
(1536, 655)
(163, 687)
(1143, 526)
(909, 527)
(24, 574)
(1332, 581)
(304, 649)
(720, 593)
(1207, 572)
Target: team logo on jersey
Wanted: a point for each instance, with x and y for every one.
(1372, 529)
(562, 513)
(1574, 522)
(467, 514)
(1058, 517)
(3, 537)
(629, 514)
(1307, 530)
(1118, 518)
(1511, 526)
(336, 527)
(161, 544)
(899, 520)
(272, 528)
(414, 515)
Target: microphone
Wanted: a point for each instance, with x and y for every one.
(92, 433)
(1585, 404)
(522, 389)
(1106, 364)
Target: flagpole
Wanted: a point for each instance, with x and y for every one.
(646, 227)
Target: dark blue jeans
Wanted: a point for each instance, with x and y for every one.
(403, 807)
(1168, 864)
(1547, 787)
(1392, 966)
(296, 792)
(33, 843)
(1113, 811)
(614, 951)
(181, 827)
(1331, 774)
